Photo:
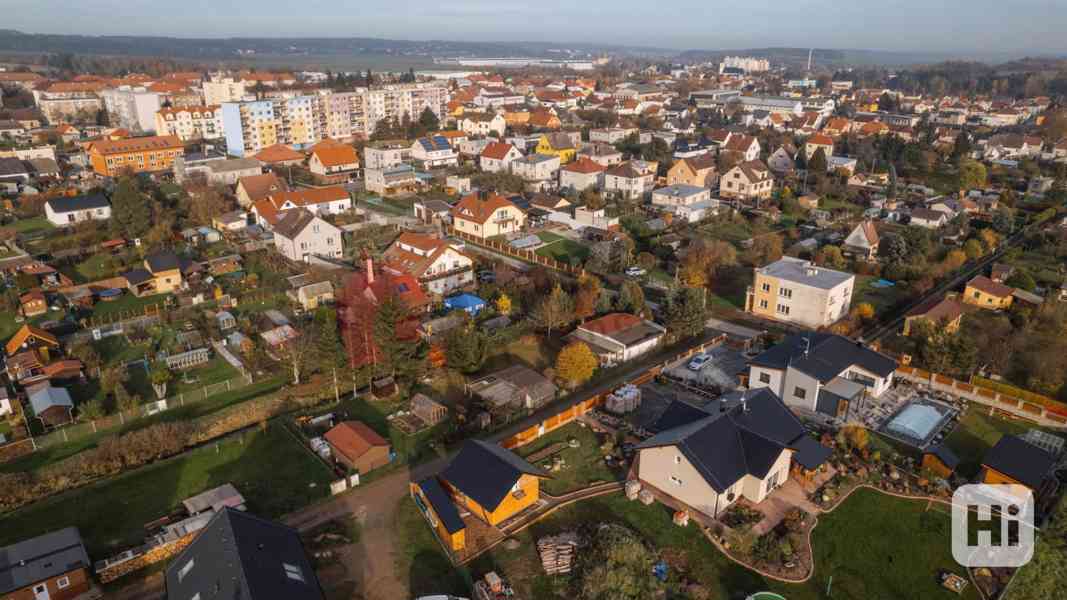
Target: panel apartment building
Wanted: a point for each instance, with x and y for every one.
(302, 120)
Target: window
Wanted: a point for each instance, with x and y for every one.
(785, 292)
(766, 287)
(783, 309)
(800, 392)
(678, 459)
(185, 570)
(675, 480)
(293, 572)
(764, 377)
(763, 304)
(63, 582)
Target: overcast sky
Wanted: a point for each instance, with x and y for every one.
(954, 26)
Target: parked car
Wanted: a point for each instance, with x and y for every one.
(698, 362)
(635, 271)
(486, 276)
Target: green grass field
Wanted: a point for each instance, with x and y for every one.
(875, 547)
(584, 465)
(34, 224)
(127, 306)
(270, 469)
(976, 433)
(881, 298)
(560, 248)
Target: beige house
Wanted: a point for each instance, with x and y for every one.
(797, 291)
(699, 171)
(702, 460)
(439, 266)
(483, 215)
(747, 181)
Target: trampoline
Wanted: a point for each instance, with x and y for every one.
(110, 294)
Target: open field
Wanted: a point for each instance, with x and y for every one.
(584, 465)
(560, 248)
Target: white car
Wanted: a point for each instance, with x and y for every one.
(698, 362)
(635, 271)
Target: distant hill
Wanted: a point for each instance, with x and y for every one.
(798, 57)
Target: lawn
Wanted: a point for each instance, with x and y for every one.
(96, 267)
(408, 448)
(874, 546)
(734, 231)
(560, 248)
(215, 370)
(273, 472)
(127, 305)
(882, 299)
(536, 353)
(584, 465)
(34, 224)
(976, 433)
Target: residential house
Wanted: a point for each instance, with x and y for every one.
(322, 201)
(543, 120)
(228, 171)
(704, 459)
(33, 339)
(816, 142)
(797, 291)
(862, 242)
(33, 303)
(619, 337)
(253, 188)
(610, 135)
(358, 304)
(536, 168)
(582, 174)
(434, 152)
(300, 235)
(64, 211)
(484, 480)
(386, 154)
(432, 211)
(631, 179)
(391, 181)
(745, 146)
(558, 144)
(486, 215)
(312, 295)
(439, 266)
(929, 219)
(239, 555)
(698, 171)
(1016, 461)
(52, 566)
(160, 273)
(943, 311)
(358, 447)
(333, 162)
(602, 154)
(822, 373)
(750, 180)
(279, 155)
(483, 124)
(498, 156)
(986, 293)
(687, 202)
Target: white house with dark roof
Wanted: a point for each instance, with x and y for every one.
(821, 372)
(301, 234)
(703, 459)
(65, 211)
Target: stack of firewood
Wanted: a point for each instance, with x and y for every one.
(557, 552)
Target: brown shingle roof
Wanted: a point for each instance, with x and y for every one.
(261, 186)
(473, 208)
(987, 285)
(354, 438)
(139, 144)
(497, 150)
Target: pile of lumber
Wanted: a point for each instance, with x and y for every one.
(557, 552)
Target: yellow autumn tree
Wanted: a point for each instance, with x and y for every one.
(503, 304)
(864, 311)
(575, 364)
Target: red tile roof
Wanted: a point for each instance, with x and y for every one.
(987, 285)
(497, 150)
(475, 209)
(611, 323)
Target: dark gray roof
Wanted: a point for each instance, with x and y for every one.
(137, 276)
(486, 472)
(1020, 460)
(946, 456)
(825, 357)
(293, 222)
(12, 167)
(71, 204)
(162, 261)
(741, 434)
(441, 504)
(25, 563)
(242, 557)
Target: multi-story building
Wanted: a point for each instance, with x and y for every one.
(747, 64)
(386, 154)
(394, 101)
(133, 108)
(251, 126)
(223, 89)
(190, 122)
(799, 292)
(140, 155)
(67, 101)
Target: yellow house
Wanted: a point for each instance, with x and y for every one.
(161, 274)
(700, 171)
(484, 479)
(986, 293)
(944, 311)
(557, 144)
(485, 216)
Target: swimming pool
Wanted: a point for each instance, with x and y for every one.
(916, 421)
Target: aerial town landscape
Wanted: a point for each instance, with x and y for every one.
(330, 318)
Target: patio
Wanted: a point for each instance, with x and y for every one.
(791, 494)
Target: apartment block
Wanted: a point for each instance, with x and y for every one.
(797, 291)
(190, 122)
(133, 108)
(139, 155)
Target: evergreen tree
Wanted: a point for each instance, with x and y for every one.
(686, 313)
(130, 214)
(428, 120)
(466, 348)
(328, 349)
(818, 163)
(404, 358)
(631, 298)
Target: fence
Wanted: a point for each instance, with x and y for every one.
(1049, 416)
(570, 411)
(79, 431)
(525, 255)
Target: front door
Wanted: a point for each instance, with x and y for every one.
(40, 592)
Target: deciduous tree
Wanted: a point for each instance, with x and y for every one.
(575, 364)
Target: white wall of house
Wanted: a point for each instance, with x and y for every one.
(319, 238)
(762, 377)
(69, 218)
